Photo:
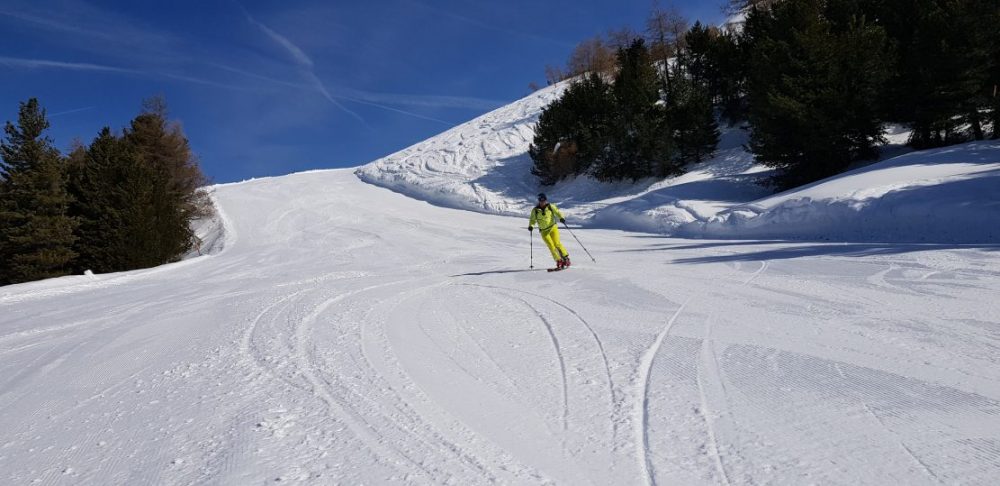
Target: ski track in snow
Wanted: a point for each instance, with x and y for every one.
(347, 334)
(642, 408)
(587, 325)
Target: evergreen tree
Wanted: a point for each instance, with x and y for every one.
(690, 107)
(696, 131)
(731, 60)
(101, 182)
(993, 90)
(714, 61)
(813, 89)
(164, 181)
(940, 71)
(35, 232)
(986, 37)
(640, 142)
(697, 58)
(572, 132)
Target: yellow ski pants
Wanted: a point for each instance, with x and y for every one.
(551, 239)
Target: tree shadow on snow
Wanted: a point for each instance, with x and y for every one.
(806, 250)
(699, 246)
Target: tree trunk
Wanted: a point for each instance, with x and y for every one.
(975, 119)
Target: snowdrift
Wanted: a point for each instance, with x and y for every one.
(947, 195)
(483, 166)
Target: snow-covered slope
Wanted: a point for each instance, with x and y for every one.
(947, 195)
(483, 166)
(350, 335)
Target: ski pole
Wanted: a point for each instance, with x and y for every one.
(532, 239)
(578, 241)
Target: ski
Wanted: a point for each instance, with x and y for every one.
(557, 269)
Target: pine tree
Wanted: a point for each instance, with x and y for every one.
(640, 143)
(165, 181)
(940, 71)
(102, 182)
(987, 21)
(696, 131)
(697, 58)
(571, 135)
(993, 88)
(731, 59)
(36, 234)
(813, 89)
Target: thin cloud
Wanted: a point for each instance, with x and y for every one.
(55, 25)
(194, 80)
(108, 32)
(326, 94)
(297, 53)
(487, 25)
(68, 112)
(380, 100)
(17, 62)
(404, 112)
(428, 101)
(75, 66)
(300, 58)
(259, 77)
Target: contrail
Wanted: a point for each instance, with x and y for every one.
(404, 112)
(67, 112)
(85, 66)
(300, 58)
(77, 66)
(307, 66)
(326, 94)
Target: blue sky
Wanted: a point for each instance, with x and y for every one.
(266, 88)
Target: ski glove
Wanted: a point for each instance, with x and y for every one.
(530, 228)
(562, 220)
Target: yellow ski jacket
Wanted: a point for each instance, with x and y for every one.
(546, 217)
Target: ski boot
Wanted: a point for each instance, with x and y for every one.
(565, 262)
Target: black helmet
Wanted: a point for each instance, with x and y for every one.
(541, 197)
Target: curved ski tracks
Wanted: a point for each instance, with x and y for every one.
(642, 404)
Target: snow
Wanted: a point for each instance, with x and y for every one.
(483, 166)
(346, 334)
(947, 195)
(331, 331)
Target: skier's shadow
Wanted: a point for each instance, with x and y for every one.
(496, 272)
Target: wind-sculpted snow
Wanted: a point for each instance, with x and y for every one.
(483, 166)
(947, 195)
(347, 334)
(939, 196)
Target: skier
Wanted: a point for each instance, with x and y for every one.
(546, 215)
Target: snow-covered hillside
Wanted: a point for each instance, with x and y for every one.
(947, 195)
(944, 196)
(483, 165)
(335, 332)
(350, 335)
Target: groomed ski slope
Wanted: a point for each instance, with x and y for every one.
(347, 334)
